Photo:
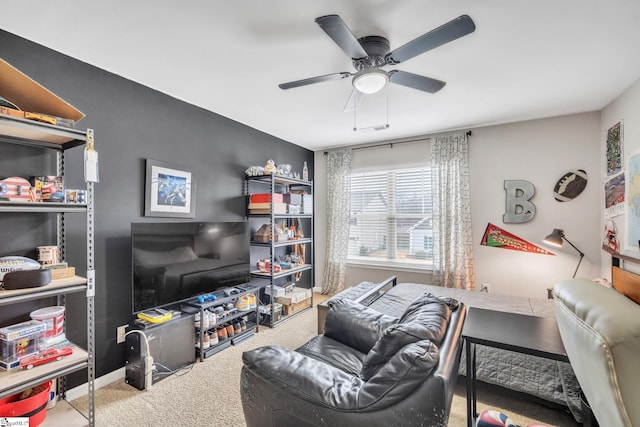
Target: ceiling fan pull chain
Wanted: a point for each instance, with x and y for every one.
(387, 123)
(355, 128)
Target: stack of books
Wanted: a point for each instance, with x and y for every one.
(261, 204)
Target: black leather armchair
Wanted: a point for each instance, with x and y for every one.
(367, 369)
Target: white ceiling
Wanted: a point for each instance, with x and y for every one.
(526, 59)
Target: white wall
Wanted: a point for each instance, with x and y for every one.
(540, 152)
(626, 108)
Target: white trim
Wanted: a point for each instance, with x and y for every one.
(82, 390)
(389, 266)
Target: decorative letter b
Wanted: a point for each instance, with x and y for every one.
(518, 207)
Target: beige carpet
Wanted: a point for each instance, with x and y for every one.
(208, 393)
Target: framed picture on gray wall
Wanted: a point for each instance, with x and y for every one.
(169, 190)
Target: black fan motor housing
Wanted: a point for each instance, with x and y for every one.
(377, 48)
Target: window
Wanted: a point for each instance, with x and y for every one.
(390, 218)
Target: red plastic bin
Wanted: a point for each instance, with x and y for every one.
(34, 406)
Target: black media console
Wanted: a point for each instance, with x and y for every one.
(171, 344)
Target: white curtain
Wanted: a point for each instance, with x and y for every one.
(338, 204)
(452, 233)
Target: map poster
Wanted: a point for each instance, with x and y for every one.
(633, 202)
(614, 149)
(614, 190)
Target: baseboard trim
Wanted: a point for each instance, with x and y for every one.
(83, 390)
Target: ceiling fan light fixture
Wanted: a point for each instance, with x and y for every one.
(369, 81)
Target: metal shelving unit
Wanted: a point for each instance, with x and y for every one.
(277, 184)
(26, 132)
(203, 353)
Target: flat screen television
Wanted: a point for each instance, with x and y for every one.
(176, 261)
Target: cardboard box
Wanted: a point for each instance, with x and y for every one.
(266, 311)
(263, 235)
(259, 208)
(30, 96)
(293, 209)
(62, 273)
(295, 296)
(266, 198)
(297, 307)
(277, 291)
(293, 199)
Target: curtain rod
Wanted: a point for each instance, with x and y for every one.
(391, 144)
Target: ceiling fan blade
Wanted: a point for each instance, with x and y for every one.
(312, 80)
(354, 101)
(335, 28)
(461, 26)
(425, 84)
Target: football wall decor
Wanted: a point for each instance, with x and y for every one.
(570, 185)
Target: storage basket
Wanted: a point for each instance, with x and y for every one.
(34, 406)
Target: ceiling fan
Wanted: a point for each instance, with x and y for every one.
(368, 54)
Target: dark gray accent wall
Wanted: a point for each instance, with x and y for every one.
(132, 123)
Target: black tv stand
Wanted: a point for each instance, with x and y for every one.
(170, 344)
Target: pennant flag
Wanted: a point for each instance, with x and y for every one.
(499, 238)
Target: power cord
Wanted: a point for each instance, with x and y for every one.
(176, 372)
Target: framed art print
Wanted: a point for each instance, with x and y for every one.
(614, 143)
(169, 191)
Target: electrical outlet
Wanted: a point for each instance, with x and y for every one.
(120, 333)
(485, 287)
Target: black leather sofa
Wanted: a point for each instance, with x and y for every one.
(367, 369)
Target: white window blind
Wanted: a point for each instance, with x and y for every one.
(390, 218)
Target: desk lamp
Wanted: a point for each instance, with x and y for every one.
(556, 238)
